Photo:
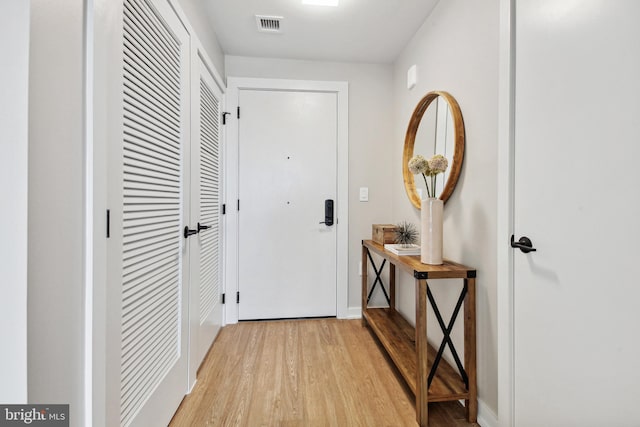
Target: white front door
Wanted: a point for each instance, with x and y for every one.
(288, 169)
(577, 145)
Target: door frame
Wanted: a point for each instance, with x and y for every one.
(231, 177)
(505, 211)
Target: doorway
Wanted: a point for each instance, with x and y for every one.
(568, 310)
(288, 145)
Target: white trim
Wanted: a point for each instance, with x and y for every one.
(223, 192)
(234, 85)
(342, 203)
(89, 213)
(505, 280)
(230, 191)
(354, 313)
(103, 16)
(486, 417)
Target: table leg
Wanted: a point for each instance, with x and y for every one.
(364, 283)
(471, 404)
(392, 286)
(422, 398)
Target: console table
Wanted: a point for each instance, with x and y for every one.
(429, 376)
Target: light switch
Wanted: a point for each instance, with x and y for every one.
(364, 194)
(412, 76)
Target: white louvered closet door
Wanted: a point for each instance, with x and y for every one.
(206, 184)
(148, 226)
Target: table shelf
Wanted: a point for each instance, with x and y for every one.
(397, 336)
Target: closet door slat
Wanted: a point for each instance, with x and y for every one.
(209, 200)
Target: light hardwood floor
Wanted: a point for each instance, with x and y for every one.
(320, 372)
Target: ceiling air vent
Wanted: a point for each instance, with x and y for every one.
(269, 24)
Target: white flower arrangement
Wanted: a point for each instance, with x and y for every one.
(431, 167)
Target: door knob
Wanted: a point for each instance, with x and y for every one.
(203, 227)
(188, 232)
(524, 244)
(328, 213)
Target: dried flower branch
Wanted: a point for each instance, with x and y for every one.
(432, 167)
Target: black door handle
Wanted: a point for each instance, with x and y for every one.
(188, 232)
(328, 212)
(524, 244)
(203, 227)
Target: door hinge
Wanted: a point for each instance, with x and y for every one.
(223, 298)
(238, 297)
(238, 204)
(224, 209)
(238, 112)
(224, 117)
(108, 223)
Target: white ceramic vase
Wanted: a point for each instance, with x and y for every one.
(431, 231)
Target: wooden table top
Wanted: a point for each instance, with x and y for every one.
(412, 264)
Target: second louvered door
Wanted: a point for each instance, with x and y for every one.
(205, 250)
(148, 278)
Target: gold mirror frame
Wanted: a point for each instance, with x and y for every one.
(410, 139)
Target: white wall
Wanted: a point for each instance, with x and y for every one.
(14, 87)
(370, 138)
(198, 18)
(456, 50)
(56, 205)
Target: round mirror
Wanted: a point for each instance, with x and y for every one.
(436, 127)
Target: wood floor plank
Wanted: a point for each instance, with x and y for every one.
(321, 372)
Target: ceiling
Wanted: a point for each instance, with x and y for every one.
(357, 30)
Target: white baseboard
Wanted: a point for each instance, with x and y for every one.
(192, 386)
(486, 416)
(353, 313)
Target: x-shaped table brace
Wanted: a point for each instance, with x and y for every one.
(446, 340)
(378, 278)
